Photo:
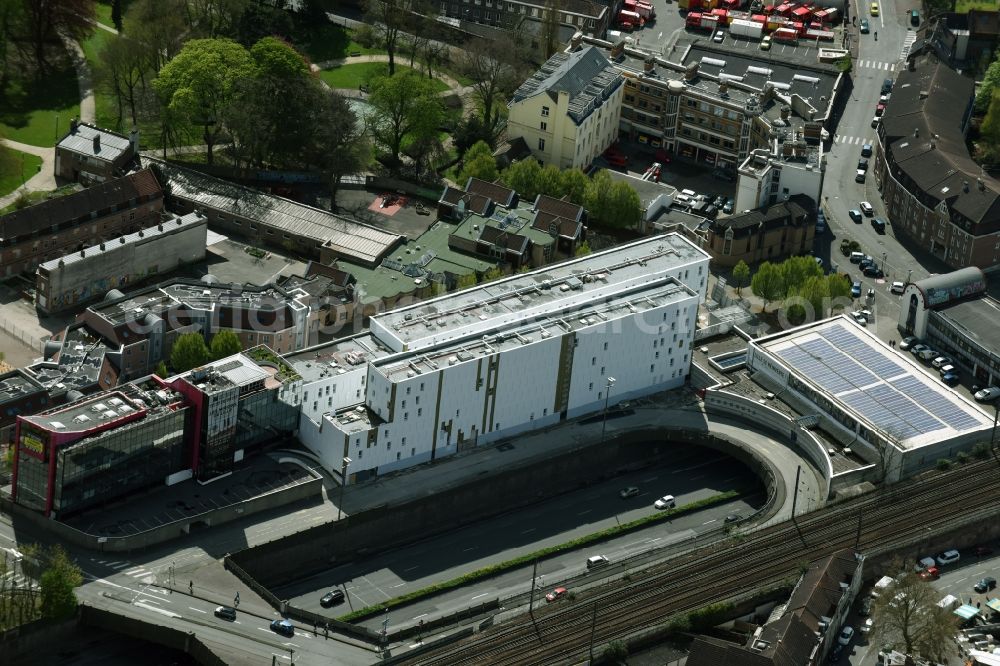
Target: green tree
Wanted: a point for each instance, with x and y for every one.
(189, 351)
(768, 283)
(466, 281)
(58, 581)
(550, 182)
(583, 250)
(124, 68)
(492, 274)
(198, 84)
(46, 20)
(523, 177)
(839, 289)
(573, 183)
(984, 96)
(906, 614)
(741, 276)
(796, 270)
(161, 370)
(989, 130)
(404, 108)
(388, 18)
(225, 343)
(214, 18)
(157, 25)
(612, 203)
(478, 162)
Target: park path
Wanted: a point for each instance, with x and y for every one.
(44, 179)
(84, 79)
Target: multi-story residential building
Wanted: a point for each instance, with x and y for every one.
(790, 167)
(714, 107)
(447, 374)
(568, 111)
(592, 18)
(20, 393)
(766, 234)
(505, 230)
(90, 154)
(68, 224)
(80, 277)
(935, 195)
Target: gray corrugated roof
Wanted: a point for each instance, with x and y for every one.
(586, 75)
(81, 141)
(347, 238)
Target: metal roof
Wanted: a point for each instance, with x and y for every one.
(586, 75)
(110, 147)
(349, 239)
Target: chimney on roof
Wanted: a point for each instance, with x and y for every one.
(691, 72)
(648, 65)
(97, 142)
(576, 40)
(916, 132)
(723, 88)
(618, 49)
(133, 139)
(72, 125)
(965, 186)
(785, 112)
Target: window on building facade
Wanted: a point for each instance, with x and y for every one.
(545, 112)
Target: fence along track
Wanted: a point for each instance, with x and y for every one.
(706, 575)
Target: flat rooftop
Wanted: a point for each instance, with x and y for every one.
(94, 412)
(236, 370)
(887, 389)
(16, 384)
(524, 296)
(337, 357)
(978, 317)
(639, 299)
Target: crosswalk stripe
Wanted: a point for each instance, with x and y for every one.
(118, 566)
(133, 570)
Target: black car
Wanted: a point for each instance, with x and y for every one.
(863, 164)
(985, 585)
(886, 86)
(874, 272)
(226, 613)
(283, 627)
(332, 598)
(719, 202)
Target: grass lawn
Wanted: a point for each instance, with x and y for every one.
(963, 6)
(331, 42)
(23, 163)
(30, 110)
(104, 11)
(35, 197)
(352, 76)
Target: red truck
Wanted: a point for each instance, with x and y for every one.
(630, 20)
(701, 21)
(786, 35)
(643, 9)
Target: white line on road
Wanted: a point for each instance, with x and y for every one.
(479, 595)
(650, 479)
(583, 513)
(465, 550)
(420, 616)
(400, 585)
(197, 610)
(656, 539)
(710, 521)
(161, 611)
(416, 566)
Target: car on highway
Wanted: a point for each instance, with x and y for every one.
(665, 502)
(866, 208)
(864, 26)
(332, 598)
(908, 342)
(988, 394)
(765, 44)
(856, 290)
(283, 627)
(557, 593)
(597, 561)
(866, 149)
(225, 612)
(948, 557)
(630, 491)
(874, 9)
(985, 584)
(951, 378)
(855, 215)
(845, 635)
(940, 361)
(734, 518)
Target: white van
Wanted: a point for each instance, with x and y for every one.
(897, 287)
(596, 561)
(691, 194)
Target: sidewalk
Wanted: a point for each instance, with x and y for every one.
(43, 180)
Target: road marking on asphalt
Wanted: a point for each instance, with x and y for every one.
(420, 616)
(650, 479)
(412, 568)
(656, 539)
(302, 636)
(400, 585)
(154, 601)
(480, 595)
(710, 521)
(161, 611)
(530, 529)
(468, 549)
(583, 513)
(197, 610)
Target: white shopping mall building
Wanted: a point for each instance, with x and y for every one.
(503, 358)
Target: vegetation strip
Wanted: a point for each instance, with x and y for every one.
(501, 567)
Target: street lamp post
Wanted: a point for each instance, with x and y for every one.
(607, 396)
(908, 274)
(343, 484)
(884, 255)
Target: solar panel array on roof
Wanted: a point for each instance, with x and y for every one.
(881, 389)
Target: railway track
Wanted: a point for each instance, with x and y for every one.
(563, 633)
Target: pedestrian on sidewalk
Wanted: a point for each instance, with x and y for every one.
(191, 587)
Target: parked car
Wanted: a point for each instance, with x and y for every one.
(897, 287)
(283, 627)
(867, 314)
(863, 164)
(874, 9)
(873, 271)
(917, 348)
(948, 557)
(914, 17)
(988, 394)
(332, 598)
(719, 202)
(886, 86)
(940, 361)
(718, 37)
(557, 593)
(930, 573)
(866, 149)
(835, 654)
(985, 585)
(728, 208)
(982, 551)
(866, 208)
(856, 290)
(867, 626)
(226, 613)
(866, 607)
(879, 109)
(878, 224)
(875, 121)
(855, 215)
(845, 636)
(859, 318)
(951, 379)
(631, 491)
(616, 160)
(927, 354)
(908, 342)
(859, 177)
(765, 44)
(665, 502)
(864, 26)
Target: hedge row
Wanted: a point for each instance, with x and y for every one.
(500, 567)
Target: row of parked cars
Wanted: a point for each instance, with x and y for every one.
(943, 364)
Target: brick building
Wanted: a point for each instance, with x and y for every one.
(57, 227)
(768, 234)
(90, 154)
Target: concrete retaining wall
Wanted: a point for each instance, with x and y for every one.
(312, 488)
(771, 419)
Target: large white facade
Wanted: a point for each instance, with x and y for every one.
(507, 357)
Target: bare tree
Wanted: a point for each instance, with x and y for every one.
(124, 67)
(493, 73)
(906, 614)
(46, 19)
(550, 28)
(389, 18)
